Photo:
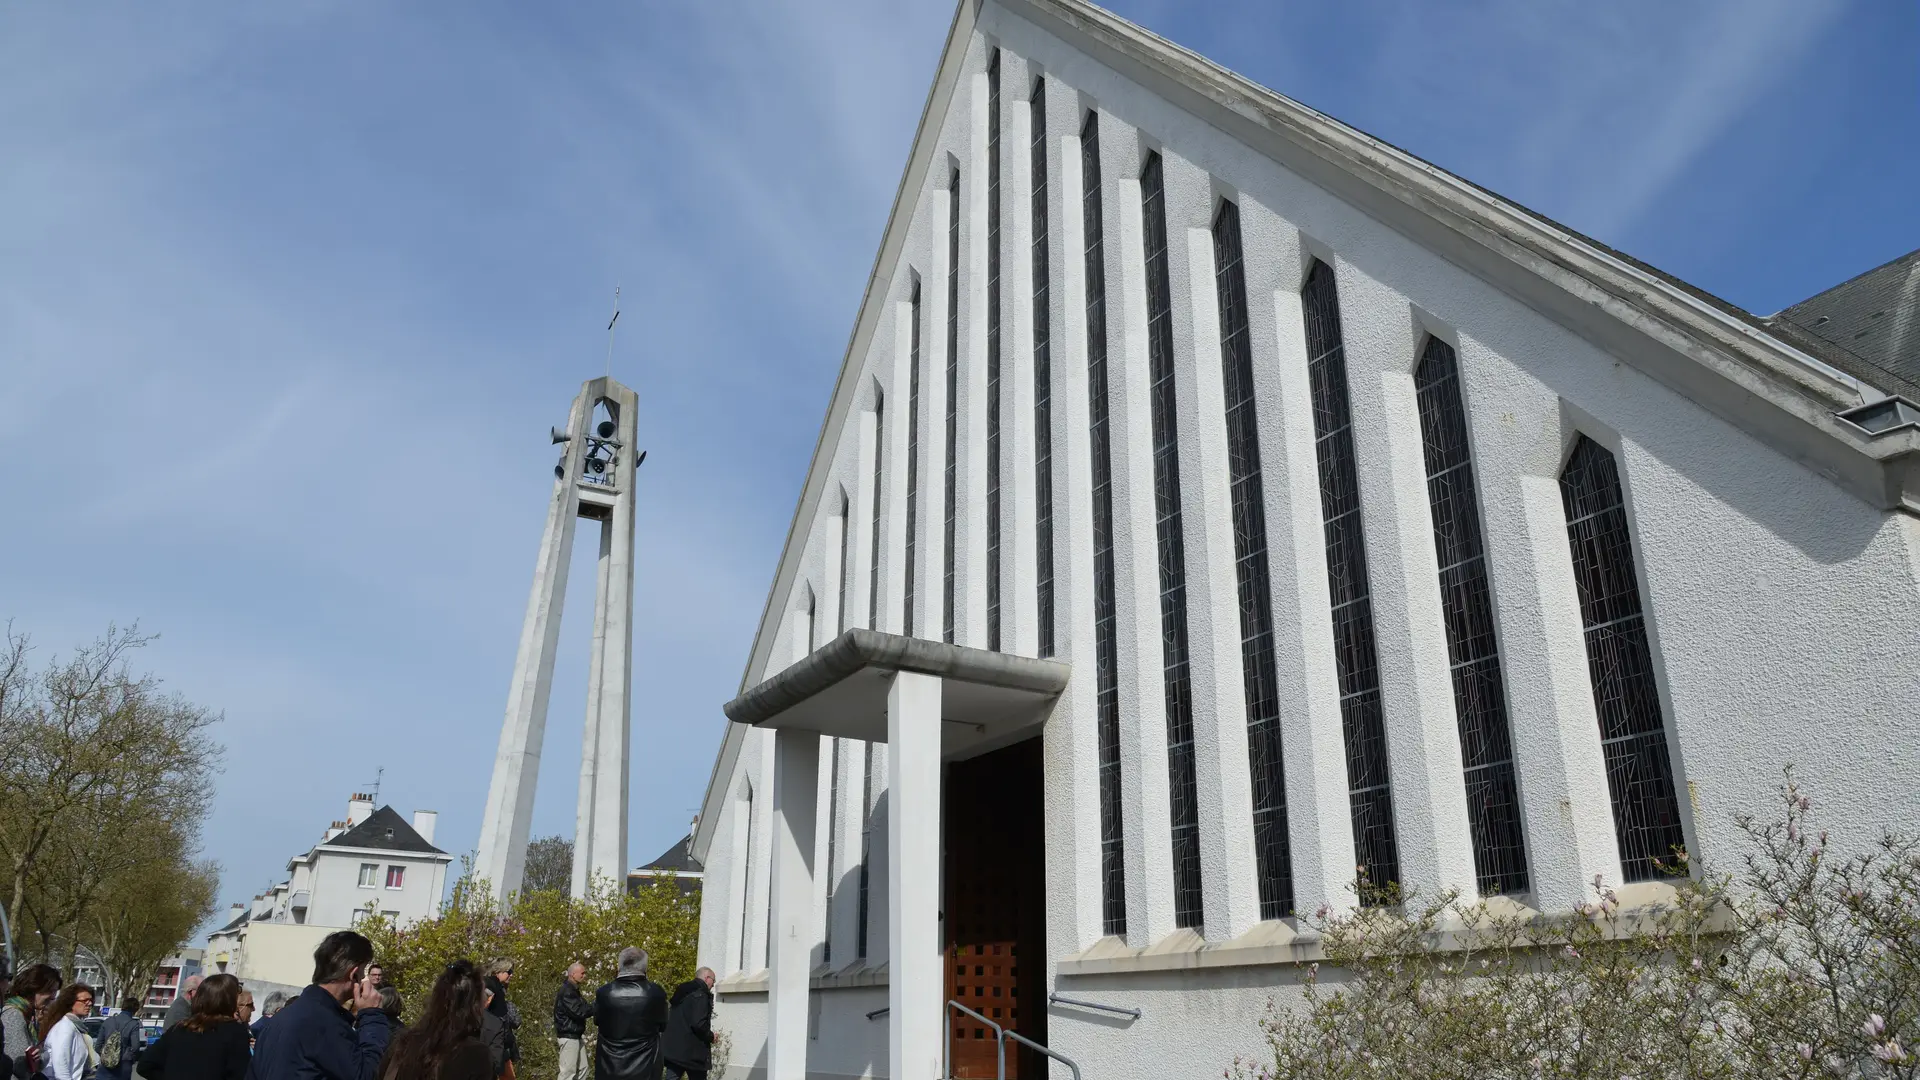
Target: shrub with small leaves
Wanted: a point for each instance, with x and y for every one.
(1803, 965)
(542, 933)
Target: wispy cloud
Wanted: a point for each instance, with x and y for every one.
(290, 293)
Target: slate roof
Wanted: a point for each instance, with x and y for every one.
(678, 858)
(238, 921)
(1872, 322)
(384, 830)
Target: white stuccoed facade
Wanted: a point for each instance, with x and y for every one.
(1777, 547)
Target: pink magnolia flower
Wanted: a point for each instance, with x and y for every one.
(1875, 1026)
(1890, 1051)
(1806, 1052)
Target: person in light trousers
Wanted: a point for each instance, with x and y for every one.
(571, 1009)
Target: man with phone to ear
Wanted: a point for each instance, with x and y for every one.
(316, 1036)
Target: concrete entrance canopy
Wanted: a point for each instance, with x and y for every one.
(987, 699)
(929, 702)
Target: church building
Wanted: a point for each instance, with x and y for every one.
(1218, 506)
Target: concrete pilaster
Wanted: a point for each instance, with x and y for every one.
(590, 736)
(916, 973)
(502, 855)
(796, 783)
(615, 689)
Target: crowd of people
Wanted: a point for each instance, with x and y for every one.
(346, 1026)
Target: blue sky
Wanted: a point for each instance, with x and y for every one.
(289, 294)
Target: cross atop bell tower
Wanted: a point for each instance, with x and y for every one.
(595, 480)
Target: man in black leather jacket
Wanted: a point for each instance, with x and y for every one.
(688, 1048)
(571, 1010)
(631, 1013)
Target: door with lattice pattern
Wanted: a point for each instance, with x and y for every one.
(995, 907)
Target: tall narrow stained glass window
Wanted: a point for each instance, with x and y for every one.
(1113, 884)
(1473, 650)
(1042, 376)
(1183, 788)
(1633, 732)
(833, 842)
(746, 875)
(913, 463)
(953, 398)
(993, 352)
(1369, 795)
(863, 910)
(879, 500)
(846, 560)
(1259, 674)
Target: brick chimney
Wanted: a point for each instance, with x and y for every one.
(359, 809)
(423, 823)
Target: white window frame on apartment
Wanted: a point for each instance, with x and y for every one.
(369, 875)
(396, 877)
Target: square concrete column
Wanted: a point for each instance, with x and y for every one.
(796, 783)
(916, 976)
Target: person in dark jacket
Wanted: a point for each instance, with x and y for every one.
(499, 974)
(445, 1044)
(688, 1047)
(210, 1044)
(631, 1013)
(571, 1011)
(119, 1039)
(493, 1033)
(315, 1037)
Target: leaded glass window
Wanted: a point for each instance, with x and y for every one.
(1113, 886)
(1369, 794)
(913, 465)
(953, 396)
(993, 352)
(1042, 377)
(864, 909)
(1259, 673)
(846, 559)
(833, 843)
(1182, 785)
(1473, 650)
(1633, 733)
(879, 500)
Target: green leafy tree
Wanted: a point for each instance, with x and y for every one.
(100, 764)
(549, 865)
(542, 933)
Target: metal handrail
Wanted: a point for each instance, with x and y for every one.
(1060, 999)
(1017, 1037)
(999, 1041)
(879, 1012)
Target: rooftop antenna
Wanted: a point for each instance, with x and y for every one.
(610, 322)
(378, 775)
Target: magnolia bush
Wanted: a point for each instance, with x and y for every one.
(1798, 965)
(543, 933)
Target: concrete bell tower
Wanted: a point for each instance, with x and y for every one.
(593, 480)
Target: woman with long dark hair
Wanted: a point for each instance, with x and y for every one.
(68, 1050)
(211, 1044)
(445, 1044)
(33, 991)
